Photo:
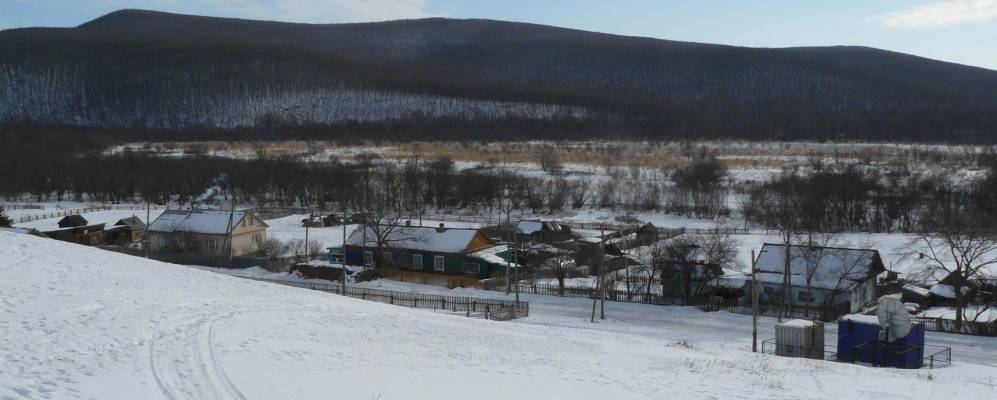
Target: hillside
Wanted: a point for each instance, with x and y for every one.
(152, 70)
(78, 322)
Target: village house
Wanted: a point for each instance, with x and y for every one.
(125, 231)
(838, 279)
(76, 229)
(439, 250)
(208, 232)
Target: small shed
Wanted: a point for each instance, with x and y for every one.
(126, 230)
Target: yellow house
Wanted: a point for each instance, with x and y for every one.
(207, 232)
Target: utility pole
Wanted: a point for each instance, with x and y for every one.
(598, 270)
(342, 253)
(515, 258)
(308, 223)
(508, 264)
(145, 239)
(602, 285)
(754, 304)
(227, 245)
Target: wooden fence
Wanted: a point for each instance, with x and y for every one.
(621, 296)
(63, 213)
(496, 310)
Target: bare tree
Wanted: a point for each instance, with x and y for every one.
(960, 250)
(303, 251)
(559, 262)
(547, 157)
(782, 211)
(273, 251)
(382, 215)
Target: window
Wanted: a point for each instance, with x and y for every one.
(417, 261)
(805, 296)
(472, 268)
(336, 256)
(388, 258)
(438, 265)
(368, 258)
(258, 238)
(212, 244)
(769, 290)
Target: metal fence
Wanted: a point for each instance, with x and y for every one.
(967, 328)
(934, 356)
(620, 296)
(496, 310)
(776, 311)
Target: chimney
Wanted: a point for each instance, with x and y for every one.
(441, 228)
(408, 222)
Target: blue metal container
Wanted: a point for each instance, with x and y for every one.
(851, 334)
(858, 341)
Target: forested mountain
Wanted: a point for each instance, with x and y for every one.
(152, 70)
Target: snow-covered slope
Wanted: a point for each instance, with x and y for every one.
(77, 322)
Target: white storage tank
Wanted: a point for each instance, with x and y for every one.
(800, 338)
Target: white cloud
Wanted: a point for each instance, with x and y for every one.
(941, 14)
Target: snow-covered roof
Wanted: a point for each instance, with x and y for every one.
(797, 323)
(917, 289)
(826, 267)
(529, 226)
(862, 319)
(212, 222)
(730, 281)
(132, 222)
(491, 255)
(946, 291)
(425, 238)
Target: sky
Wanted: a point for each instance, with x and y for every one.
(962, 31)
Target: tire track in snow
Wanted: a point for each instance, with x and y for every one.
(152, 362)
(219, 369)
(182, 359)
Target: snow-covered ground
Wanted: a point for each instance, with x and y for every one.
(78, 322)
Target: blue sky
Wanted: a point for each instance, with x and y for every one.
(963, 31)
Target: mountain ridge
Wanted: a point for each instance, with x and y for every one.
(469, 72)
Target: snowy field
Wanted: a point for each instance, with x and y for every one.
(748, 161)
(109, 217)
(79, 322)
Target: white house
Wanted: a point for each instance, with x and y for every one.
(819, 276)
